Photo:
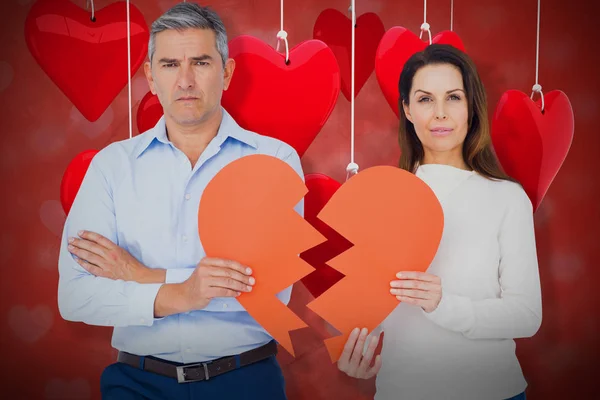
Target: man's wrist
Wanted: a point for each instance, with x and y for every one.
(153, 275)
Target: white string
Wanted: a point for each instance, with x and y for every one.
(129, 69)
(352, 168)
(93, 9)
(282, 35)
(451, 15)
(537, 88)
(425, 26)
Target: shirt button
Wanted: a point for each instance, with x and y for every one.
(188, 196)
(184, 238)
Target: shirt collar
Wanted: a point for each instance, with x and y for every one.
(228, 128)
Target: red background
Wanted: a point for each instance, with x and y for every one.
(45, 357)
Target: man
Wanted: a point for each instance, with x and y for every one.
(131, 257)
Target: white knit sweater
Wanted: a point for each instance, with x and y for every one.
(490, 295)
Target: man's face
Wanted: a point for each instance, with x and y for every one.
(187, 75)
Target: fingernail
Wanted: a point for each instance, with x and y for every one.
(80, 233)
(238, 293)
(70, 247)
(355, 330)
(399, 274)
(71, 240)
(392, 290)
(394, 284)
(364, 331)
(249, 288)
(252, 281)
(248, 271)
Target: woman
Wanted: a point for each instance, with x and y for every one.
(452, 334)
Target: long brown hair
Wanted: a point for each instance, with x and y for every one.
(477, 149)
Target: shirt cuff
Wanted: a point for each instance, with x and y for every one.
(454, 313)
(178, 275)
(141, 304)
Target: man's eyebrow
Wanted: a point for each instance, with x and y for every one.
(175, 60)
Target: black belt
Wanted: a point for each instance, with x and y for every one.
(198, 371)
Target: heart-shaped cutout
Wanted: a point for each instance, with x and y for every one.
(334, 28)
(396, 47)
(30, 325)
(289, 102)
(149, 112)
(73, 177)
(531, 145)
(390, 232)
(86, 60)
(320, 189)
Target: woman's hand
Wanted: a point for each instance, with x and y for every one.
(353, 363)
(418, 288)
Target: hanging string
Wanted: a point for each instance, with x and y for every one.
(93, 9)
(352, 168)
(425, 26)
(282, 35)
(129, 69)
(451, 15)
(537, 88)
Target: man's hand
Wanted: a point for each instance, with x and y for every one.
(101, 257)
(214, 277)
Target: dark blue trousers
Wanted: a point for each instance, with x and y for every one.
(259, 381)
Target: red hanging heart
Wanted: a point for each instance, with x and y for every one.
(86, 60)
(320, 189)
(73, 176)
(335, 29)
(149, 112)
(288, 102)
(532, 145)
(396, 47)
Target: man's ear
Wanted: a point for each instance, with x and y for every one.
(149, 77)
(228, 72)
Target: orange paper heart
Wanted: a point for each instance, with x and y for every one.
(395, 222)
(392, 217)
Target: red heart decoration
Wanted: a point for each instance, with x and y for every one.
(335, 29)
(149, 112)
(73, 176)
(320, 189)
(396, 47)
(288, 102)
(532, 145)
(86, 60)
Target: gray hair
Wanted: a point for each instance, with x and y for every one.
(190, 16)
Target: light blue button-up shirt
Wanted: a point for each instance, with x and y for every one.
(143, 194)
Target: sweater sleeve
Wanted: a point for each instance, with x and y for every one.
(517, 313)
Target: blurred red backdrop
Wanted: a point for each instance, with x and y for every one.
(46, 357)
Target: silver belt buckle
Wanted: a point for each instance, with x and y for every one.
(181, 375)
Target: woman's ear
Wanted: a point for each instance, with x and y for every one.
(407, 111)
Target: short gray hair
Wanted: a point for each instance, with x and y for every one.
(190, 16)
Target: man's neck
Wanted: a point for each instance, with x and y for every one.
(192, 140)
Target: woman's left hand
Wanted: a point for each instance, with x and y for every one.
(418, 288)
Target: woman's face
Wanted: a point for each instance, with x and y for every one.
(438, 110)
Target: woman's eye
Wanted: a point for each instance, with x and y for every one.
(454, 97)
(424, 100)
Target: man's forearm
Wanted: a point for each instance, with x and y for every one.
(153, 275)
